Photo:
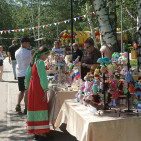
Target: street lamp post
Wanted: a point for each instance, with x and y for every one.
(121, 26)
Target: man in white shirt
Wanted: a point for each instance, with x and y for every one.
(23, 56)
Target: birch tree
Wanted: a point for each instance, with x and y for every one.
(91, 24)
(105, 28)
(139, 33)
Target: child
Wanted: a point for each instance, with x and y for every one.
(1, 63)
(37, 86)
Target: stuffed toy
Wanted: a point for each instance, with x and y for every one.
(128, 77)
(131, 88)
(104, 61)
(103, 69)
(115, 57)
(110, 69)
(96, 74)
(138, 94)
(124, 70)
(80, 94)
(138, 86)
(123, 59)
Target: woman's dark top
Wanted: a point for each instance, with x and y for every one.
(76, 54)
(91, 59)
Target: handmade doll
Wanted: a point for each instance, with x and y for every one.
(114, 92)
(87, 99)
(124, 70)
(80, 94)
(122, 89)
(123, 58)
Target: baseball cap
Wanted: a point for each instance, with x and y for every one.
(25, 39)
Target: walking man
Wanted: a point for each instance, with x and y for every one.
(11, 54)
(23, 56)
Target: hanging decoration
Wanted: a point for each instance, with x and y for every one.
(129, 13)
(43, 26)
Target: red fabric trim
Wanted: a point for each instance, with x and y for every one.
(37, 123)
(38, 131)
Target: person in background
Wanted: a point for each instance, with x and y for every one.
(1, 62)
(76, 52)
(90, 57)
(56, 49)
(11, 54)
(37, 85)
(105, 51)
(23, 56)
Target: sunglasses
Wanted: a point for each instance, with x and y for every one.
(87, 47)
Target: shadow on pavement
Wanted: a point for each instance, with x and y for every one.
(10, 81)
(7, 71)
(61, 136)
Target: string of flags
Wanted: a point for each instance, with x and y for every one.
(43, 26)
(119, 32)
(129, 13)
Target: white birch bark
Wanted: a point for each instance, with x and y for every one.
(106, 30)
(91, 24)
(139, 33)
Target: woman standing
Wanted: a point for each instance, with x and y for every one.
(37, 85)
(1, 63)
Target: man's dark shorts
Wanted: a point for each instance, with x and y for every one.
(1, 62)
(21, 83)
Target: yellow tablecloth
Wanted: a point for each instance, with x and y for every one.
(87, 127)
(55, 101)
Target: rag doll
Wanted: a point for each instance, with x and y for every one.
(113, 92)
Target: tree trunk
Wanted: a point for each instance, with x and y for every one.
(139, 34)
(104, 24)
(112, 15)
(91, 24)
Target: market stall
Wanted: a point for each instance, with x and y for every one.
(86, 126)
(56, 97)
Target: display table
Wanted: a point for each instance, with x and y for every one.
(56, 97)
(87, 127)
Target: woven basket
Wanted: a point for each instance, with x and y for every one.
(133, 54)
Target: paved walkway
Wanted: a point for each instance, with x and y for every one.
(13, 127)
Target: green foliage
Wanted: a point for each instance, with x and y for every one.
(21, 14)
